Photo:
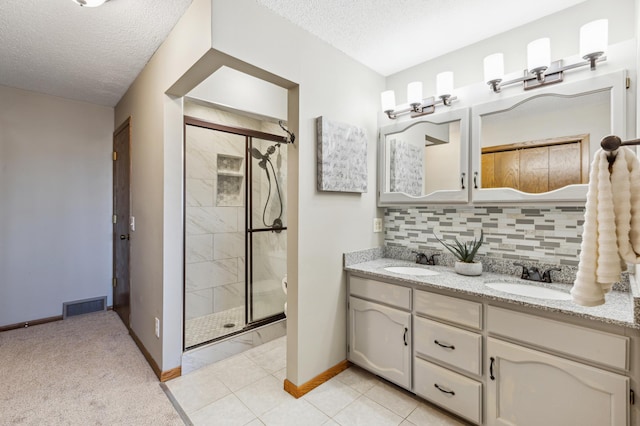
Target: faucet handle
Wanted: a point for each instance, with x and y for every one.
(431, 260)
(420, 257)
(525, 270)
(546, 275)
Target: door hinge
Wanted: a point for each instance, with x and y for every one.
(348, 348)
(115, 156)
(115, 282)
(632, 397)
(628, 82)
(115, 218)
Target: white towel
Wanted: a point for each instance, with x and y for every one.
(611, 231)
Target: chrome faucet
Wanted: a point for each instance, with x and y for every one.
(533, 273)
(423, 259)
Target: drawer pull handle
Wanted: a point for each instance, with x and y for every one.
(443, 345)
(444, 390)
(491, 376)
(405, 336)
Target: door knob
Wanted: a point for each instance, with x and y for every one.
(124, 237)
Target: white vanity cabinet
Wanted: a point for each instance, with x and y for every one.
(530, 387)
(380, 329)
(492, 363)
(445, 354)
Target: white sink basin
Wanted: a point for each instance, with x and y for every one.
(530, 291)
(410, 270)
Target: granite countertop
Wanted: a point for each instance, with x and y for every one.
(618, 309)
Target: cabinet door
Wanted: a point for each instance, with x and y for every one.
(531, 388)
(379, 340)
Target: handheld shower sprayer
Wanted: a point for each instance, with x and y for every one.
(265, 159)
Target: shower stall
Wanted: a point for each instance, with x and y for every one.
(235, 230)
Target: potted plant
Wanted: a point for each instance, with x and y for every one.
(465, 253)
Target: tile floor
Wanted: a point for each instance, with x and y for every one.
(247, 389)
(208, 327)
(267, 302)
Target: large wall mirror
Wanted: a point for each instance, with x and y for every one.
(538, 146)
(425, 160)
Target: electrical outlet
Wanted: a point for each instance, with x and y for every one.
(157, 328)
(377, 224)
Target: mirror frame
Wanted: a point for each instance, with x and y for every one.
(461, 195)
(615, 82)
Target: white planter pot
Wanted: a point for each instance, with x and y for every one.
(470, 269)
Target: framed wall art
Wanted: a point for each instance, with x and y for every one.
(342, 157)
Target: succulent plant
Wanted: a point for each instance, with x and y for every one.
(464, 252)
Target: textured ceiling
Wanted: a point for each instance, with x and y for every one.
(88, 54)
(94, 54)
(391, 35)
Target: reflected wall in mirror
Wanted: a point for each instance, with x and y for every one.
(540, 145)
(425, 159)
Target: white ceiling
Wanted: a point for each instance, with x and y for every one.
(88, 54)
(392, 35)
(94, 54)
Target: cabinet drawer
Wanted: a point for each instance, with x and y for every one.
(452, 345)
(448, 308)
(592, 345)
(391, 294)
(450, 390)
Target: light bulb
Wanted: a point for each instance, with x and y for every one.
(388, 100)
(594, 38)
(494, 67)
(538, 55)
(414, 93)
(444, 84)
(90, 3)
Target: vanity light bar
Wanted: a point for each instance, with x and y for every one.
(417, 105)
(541, 72)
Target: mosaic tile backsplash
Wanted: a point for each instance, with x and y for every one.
(549, 235)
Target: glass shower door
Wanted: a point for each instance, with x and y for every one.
(266, 230)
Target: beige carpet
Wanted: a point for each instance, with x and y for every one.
(85, 370)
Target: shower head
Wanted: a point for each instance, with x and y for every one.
(255, 153)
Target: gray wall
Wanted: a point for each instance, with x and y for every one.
(55, 203)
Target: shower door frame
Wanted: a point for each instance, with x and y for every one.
(249, 134)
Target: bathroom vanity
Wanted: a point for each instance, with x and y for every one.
(491, 357)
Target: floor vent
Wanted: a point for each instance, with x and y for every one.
(79, 307)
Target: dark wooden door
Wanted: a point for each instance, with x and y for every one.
(121, 218)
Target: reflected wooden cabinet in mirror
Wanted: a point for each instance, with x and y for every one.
(537, 166)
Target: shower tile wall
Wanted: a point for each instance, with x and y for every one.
(269, 248)
(546, 235)
(214, 260)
